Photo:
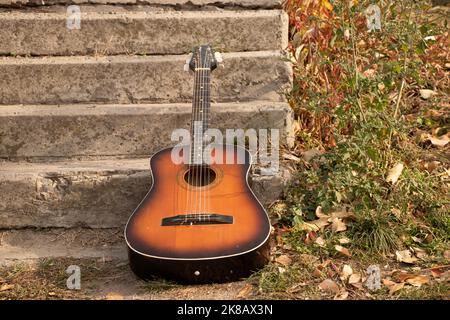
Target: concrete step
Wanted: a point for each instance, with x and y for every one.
(79, 243)
(89, 193)
(137, 79)
(111, 31)
(177, 4)
(42, 131)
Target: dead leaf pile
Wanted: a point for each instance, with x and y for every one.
(399, 279)
(336, 219)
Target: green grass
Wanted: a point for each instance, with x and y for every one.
(374, 234)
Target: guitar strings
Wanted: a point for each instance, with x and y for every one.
(196, 136)
(190, 178)
(197, 197)
(202, 111)
(205, 109)
(208, 101)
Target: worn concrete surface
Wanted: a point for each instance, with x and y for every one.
(28, 244)
(141, 32)
(133, 79)
(184, 4)
(95, 193)
(117, 130)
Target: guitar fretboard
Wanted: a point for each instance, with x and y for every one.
(200, 114)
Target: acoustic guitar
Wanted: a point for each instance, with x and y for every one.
(200, 222)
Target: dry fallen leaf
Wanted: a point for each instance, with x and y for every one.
(347, 271)
(447, 255)
(354, 278)
(296, 287)
(342, 295)
(284, 260)
(369, 73)
(344, 240)
(436, 272)
(290, 156)
(420, 253)
(315, 225)
(342, 214)
(432, 165)
(245, 291)
(320, 242)
(418, 280)
(338, 225)
(405, 256)
(439, 141)
(343, 250)
(330, 286)
(319, 213)
(6, 287)
(317, 273)
(444, 277)
(426, 93)
(415, 239)
(393, 286)
(394, 173)
(397, 213)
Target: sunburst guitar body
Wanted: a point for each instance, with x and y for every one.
(200, 222)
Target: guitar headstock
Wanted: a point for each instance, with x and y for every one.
(203, 57)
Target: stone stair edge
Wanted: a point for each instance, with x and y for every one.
(17, 110)
(132, 58)
(142, 11)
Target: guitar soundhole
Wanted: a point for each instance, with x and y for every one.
(199, 176)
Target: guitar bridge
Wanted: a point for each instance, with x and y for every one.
(197, 219)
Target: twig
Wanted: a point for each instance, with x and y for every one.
(400, 94)
(437, 267)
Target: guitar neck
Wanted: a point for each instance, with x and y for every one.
(201, 105)
(201, 102)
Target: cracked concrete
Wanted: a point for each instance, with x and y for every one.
(120, 130)
(143, 32)
(94, 194)
(247, 76)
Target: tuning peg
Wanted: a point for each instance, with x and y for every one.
(186, 67)
(218, 57)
